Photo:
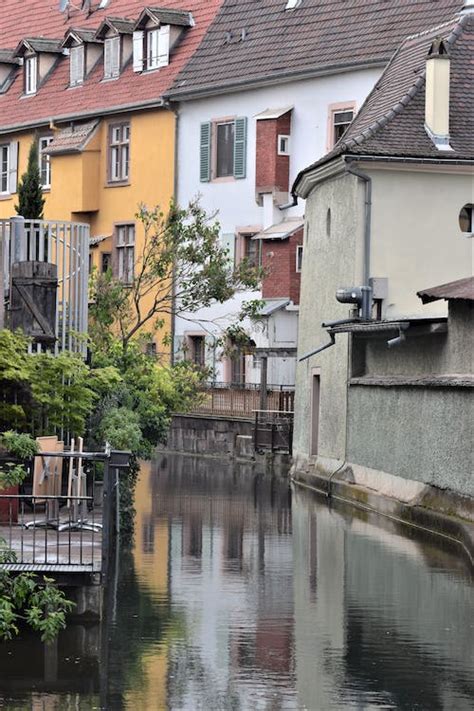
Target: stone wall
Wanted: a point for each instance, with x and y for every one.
(227, 437)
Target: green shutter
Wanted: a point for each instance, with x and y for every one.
(205, 153)
(240, 148)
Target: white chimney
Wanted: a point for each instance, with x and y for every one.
(438, 69)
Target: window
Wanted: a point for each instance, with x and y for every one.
(152, 49)
(125, 246)
(111, 57)
(238, 368)
(223, 149)
(198, 351)
(225, 136)
(31, 75)
(283, 145)
(4, 168)
(105, 262)
(45, 161)
(299, 258)
(341, 120)
(466, 220)
(253, 250)
(119, 152)
(76, 65)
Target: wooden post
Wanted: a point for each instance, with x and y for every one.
(263, 383)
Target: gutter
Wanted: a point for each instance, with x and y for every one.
(96, 113)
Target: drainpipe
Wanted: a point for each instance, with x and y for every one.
(368, 219)
(175, 196)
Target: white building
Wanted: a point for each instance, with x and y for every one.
(302, 72)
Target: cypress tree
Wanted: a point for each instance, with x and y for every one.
(30, 193)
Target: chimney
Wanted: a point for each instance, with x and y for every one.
(438, 67)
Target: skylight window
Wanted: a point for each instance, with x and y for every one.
(292, 4)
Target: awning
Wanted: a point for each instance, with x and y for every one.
(462, 290)
(273, 113)
(72, 139)
(282, 230)
(273, 305)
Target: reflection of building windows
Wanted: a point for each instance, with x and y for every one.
(148, 537)
(45, 161)
(198, 350)
(125, 249)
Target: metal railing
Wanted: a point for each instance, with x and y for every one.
(66, 245)
(241, 400)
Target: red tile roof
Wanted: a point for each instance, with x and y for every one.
(257, 41)
(54, 99)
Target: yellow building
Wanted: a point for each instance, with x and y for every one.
(91, 97)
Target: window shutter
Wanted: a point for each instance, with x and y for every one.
(164, 46)
(107, 58)
(115, 57)
(137, 51)
(205, 153)
(240, 148)
(13, 167)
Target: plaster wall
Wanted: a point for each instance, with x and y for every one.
(332, 259)
(416, 239)
(234, 200)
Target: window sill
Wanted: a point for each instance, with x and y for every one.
(117, 184)
(227, 179)
(6, 196)
(46, 188)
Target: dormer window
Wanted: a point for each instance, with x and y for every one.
(31, 75)
(76, 65)
(112, 58)
(158, 47)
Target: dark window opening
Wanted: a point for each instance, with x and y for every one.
(253, 250)
(106, 262)
(466, 219)
(342, 119)
(198, 351)
(225, 149)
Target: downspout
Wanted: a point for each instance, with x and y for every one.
(367, 220)
(175, 197)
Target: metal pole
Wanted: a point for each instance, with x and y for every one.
(263, 383)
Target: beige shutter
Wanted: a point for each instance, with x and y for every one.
(164, 46)
(13, 167)
(137, 51)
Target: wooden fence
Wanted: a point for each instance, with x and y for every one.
(243, 400)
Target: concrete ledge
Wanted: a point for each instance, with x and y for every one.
(442, 513)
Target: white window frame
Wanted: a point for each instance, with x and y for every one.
(44, 161)
(31, 75)
(283, 144)
(77, 61)
(125, 248)
(4, 171)
(112, 49)
(299, 258)
(153, 48)
(119, 152)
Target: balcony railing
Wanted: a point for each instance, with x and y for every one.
(238, 400)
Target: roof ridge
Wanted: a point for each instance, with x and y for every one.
(403, 102)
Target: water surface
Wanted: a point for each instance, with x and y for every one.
(243, 594)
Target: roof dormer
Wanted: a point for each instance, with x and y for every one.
(156, 32)
(116, 33)
(85, 50)
(8, 68)
(39, 55)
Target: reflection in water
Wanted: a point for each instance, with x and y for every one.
(239, 595)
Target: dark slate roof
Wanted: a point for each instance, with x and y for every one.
(81, 34)
(253, 41)
(391, 122)
(39, 44)
(165, 16)
(121, 25)
(7, 56)
(462, 289)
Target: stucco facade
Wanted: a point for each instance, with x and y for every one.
(234, 200)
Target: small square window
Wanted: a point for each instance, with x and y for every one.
(283, 145)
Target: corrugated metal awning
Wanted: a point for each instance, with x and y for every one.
(282, 230)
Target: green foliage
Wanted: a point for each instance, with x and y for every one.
(41, 605)
(120, 427)
(184, 245)
(30, 193)
(19, 445)
(14, 379)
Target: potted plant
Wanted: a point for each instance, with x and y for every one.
(16, 452)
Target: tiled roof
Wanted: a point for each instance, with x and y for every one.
(55, 99)
(7, 56)
(71, 139)
(462, 289)
(391, 122)
(258, 41)
(121, 25)
(39, 44)
(168, 17)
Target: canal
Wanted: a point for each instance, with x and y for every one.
(243, 593)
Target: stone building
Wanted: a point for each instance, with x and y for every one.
(388, 211)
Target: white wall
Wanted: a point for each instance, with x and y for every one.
(234, 200)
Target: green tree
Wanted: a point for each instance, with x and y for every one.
(181, 267)
(30, 193)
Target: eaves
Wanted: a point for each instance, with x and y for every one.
(78, 116)
(227, 87)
